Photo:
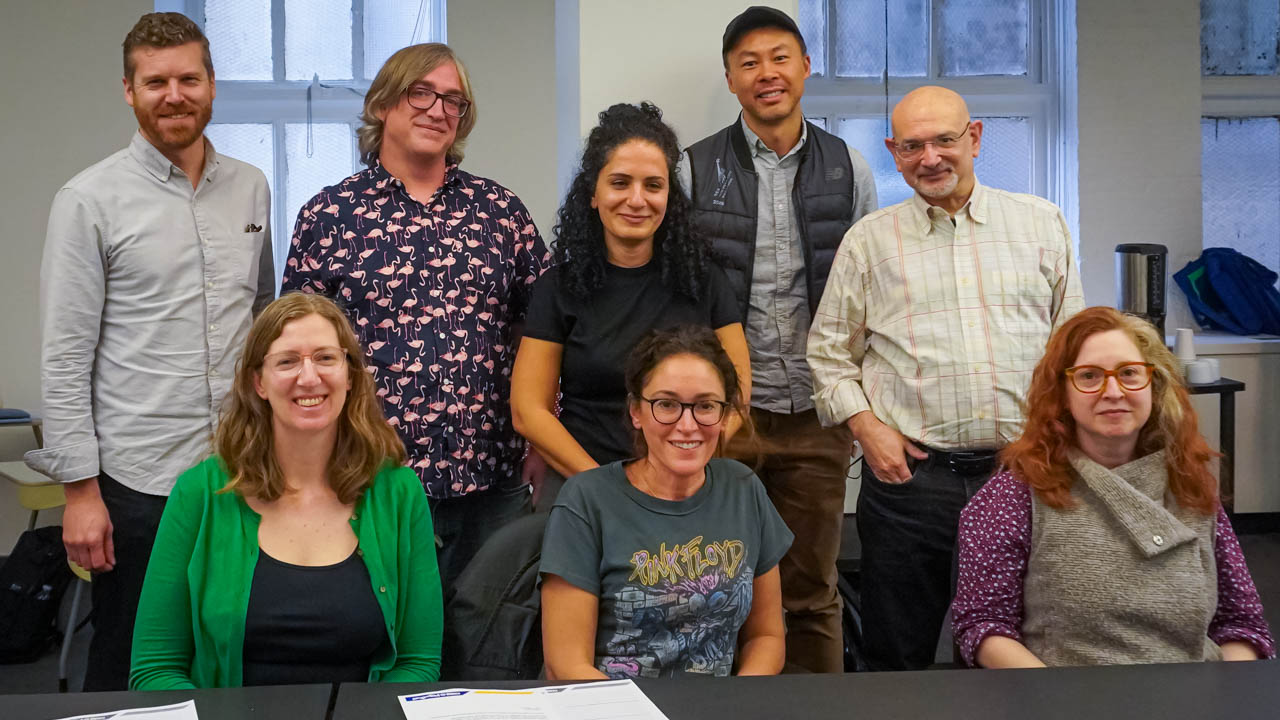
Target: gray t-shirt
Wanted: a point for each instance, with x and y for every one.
(674, 578)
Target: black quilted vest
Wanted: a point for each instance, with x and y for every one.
(724, 190)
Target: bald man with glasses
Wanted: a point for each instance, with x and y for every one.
(935, 314)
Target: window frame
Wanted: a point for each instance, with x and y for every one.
(1046, 95)
(1237, 97)
(280, 102)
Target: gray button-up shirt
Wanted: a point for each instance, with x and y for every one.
(778, 319)
(147, 291)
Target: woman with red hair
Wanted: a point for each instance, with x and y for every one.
(1102, 540)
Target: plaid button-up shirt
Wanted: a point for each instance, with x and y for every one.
(935, 324)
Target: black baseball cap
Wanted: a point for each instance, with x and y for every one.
(754, 18)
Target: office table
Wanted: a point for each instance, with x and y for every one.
(1169, 692)
(1225, 389)
(294, 702)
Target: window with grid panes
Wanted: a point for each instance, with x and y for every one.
(292, 75)
(1240, 127)
(1010, 59)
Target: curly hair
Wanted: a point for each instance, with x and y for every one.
(163, 30)
(1039, 457)
(683, 254)
(658, 345)
(245, 440)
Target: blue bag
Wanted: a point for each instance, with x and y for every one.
(1231, 291)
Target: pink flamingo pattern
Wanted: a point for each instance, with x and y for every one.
(432, 291)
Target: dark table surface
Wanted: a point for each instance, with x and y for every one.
(295, 702)
(1168, 692)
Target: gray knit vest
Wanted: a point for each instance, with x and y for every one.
(1126, 576)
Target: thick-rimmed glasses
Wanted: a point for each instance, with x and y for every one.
(1091, 378)
(912, 149)
(325, 359)
(668, 411)
(424, 98)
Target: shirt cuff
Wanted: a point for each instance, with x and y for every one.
(1265, 646)
(840, 402)
(973, 637)
(69, 463)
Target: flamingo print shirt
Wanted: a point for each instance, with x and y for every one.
(433, 291)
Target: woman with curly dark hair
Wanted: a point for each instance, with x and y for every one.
(627, 260)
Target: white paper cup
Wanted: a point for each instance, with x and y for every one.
(1184, 344)
(1203, 371)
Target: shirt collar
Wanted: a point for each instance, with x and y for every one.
(975, 207)
(382, 179)
(757, 145)
(160, 166)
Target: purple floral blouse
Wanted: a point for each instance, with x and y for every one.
(994, 545)
(433, 291)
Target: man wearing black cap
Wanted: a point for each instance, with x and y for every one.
(775, 195)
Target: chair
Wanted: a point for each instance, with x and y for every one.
(35, 493)
(493, 612)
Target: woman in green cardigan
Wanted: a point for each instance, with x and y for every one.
(302, 551)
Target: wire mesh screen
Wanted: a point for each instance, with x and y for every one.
(239, 33)
(1238, 37)
(1240, 169)
(250, 142)
(325, 159)
(317, 39)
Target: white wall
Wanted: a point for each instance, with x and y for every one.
(508, 50)
(664, 51)
(62, 109)
(1139, 125)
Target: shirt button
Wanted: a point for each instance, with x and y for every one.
(441, 336)
(1158, 540)
(213, 326)
(359, 552)
(209, 284)
(213, 372)
(382, 589)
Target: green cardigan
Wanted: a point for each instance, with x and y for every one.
(191, 616)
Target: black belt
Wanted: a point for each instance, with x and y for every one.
(964, 462)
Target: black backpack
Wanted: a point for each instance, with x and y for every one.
(493, 614)
(32, 582)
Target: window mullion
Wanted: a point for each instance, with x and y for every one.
(277, 40)
(357, 41)
(935, 41)
(284, 227)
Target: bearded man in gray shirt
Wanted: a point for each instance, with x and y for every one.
(775, 194)
(154, 263)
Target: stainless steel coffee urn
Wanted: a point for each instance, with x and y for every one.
(1140, 281)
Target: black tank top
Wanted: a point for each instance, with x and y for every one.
(311, 624)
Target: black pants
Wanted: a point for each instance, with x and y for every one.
(462, 524)
(908, 535)
(134, 519)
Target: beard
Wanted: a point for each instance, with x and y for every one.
(938, 190)
(172, 137)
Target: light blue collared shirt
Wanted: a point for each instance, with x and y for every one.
(147, 291)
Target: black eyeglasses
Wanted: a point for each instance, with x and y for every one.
(424, 98)
(668, 411)
(1132, 376)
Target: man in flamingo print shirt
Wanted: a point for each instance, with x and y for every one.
(433, 266)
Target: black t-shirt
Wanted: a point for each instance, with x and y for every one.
(598, 335)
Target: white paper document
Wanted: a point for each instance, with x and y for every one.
(181, 711)
(613, 700)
